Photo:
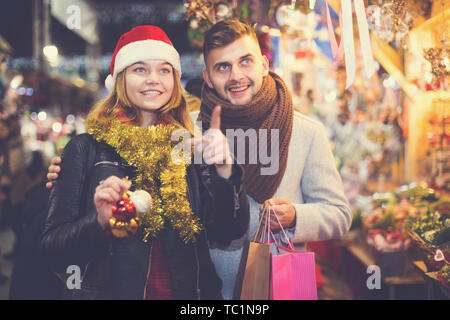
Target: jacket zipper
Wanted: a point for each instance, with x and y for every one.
(107, 162)
(198, 271)
(237, 204)
(189, 183)
(148, 271)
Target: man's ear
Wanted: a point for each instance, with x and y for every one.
(266, 65)
(206, 78)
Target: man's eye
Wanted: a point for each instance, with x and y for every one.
(223, 67)
(246, 61)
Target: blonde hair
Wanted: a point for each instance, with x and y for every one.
(174, 112)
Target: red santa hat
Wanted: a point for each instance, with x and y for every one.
(138, 44)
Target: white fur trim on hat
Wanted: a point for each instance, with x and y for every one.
(143, 50)
(109, 82)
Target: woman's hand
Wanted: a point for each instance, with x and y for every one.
(53, 169)
(107, 193)
(214, 146)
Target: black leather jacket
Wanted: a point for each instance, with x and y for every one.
(114, 268)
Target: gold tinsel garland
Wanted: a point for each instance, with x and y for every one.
(149, 151)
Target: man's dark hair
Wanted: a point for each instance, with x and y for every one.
(225, 32)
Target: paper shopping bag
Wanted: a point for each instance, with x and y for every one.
(253, 279)
(293, 276)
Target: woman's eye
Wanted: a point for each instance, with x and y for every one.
(139, 69)
(165, 71)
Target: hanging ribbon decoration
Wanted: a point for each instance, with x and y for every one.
(364, 38)
(349, 46)
(338, 51)
(346, 45)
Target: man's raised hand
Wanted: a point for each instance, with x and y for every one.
(214, 146)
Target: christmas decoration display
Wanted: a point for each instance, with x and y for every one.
(439, 57)
(202, 14)
(412, 210)
(203, 9)
(385, 227)
(126, 213)
(413, 214)
(391, 20)
(156, 173)
(356, 142)
(429, 229)
(444, 275)
(432, 223)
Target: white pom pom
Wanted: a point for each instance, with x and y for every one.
(109, 82)
(142, 201)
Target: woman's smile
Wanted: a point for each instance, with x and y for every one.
(151, 93)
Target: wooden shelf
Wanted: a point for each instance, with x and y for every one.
(364, 255)
(432, 23)
(414, 279)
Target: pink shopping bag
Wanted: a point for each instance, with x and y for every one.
(293, 276)
(293, 273)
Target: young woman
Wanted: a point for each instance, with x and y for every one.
(129, 135)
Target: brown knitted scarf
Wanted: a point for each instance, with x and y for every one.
(271, 108)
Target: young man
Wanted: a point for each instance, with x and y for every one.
(306, 191)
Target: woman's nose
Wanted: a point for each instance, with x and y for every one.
(152, 77)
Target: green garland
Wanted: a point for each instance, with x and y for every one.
(149, 151)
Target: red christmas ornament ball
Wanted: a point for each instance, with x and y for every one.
(124, 210)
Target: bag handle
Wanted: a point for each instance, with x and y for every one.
(266, 216)
(264, 229)
(260, 231)
(288, 240)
